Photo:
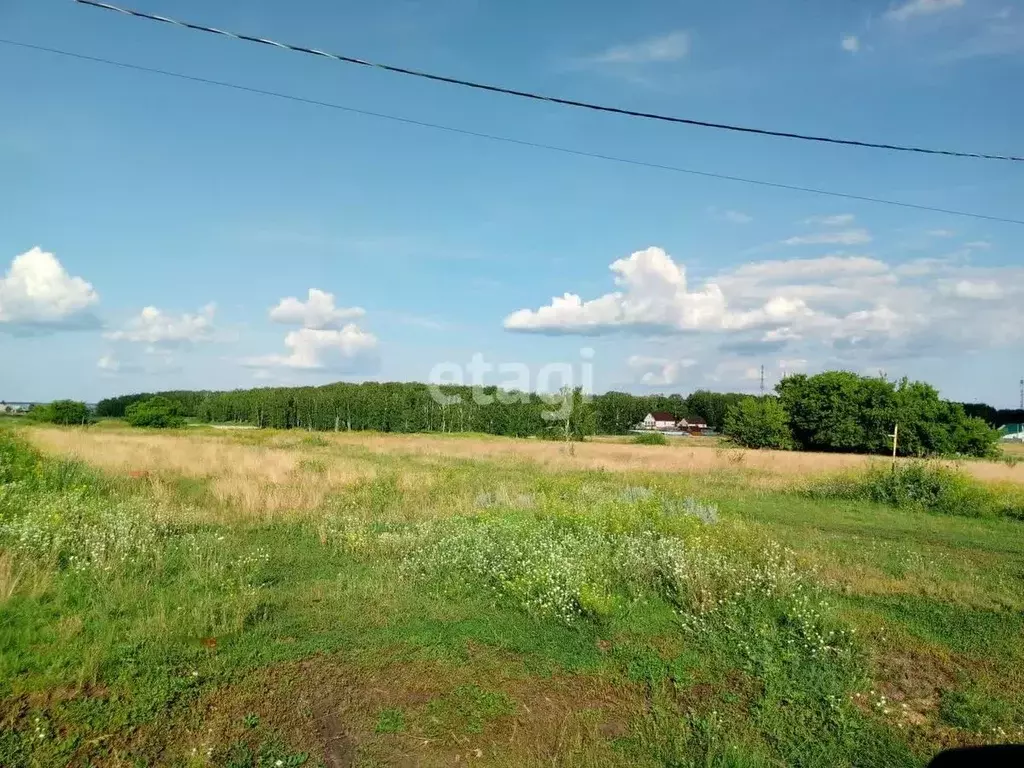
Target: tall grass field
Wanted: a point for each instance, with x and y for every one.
(204, 597)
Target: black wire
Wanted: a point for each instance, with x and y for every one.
(507, 139)
(549, 99)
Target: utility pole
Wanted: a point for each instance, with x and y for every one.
(1022, 394)
(762, 380)
(895, 436)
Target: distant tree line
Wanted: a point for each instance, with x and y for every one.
(186, 401)
(412, 407)
(833, 411)
(843, 412)
(997, 417)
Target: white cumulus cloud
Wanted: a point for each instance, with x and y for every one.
(324, 341)
(317, 312)
(346, 348)
(831, 308)
(653, 296)
(38, 291)
(915, 8)
(850, 43)
(158, 328)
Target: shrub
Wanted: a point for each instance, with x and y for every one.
(920, 485)
(759, 423)
(61, 412)
(17, 459)
(841, 411)
(650, 438)
(157, 412)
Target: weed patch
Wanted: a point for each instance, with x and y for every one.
(921, 486)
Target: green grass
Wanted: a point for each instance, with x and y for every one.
(586, 618)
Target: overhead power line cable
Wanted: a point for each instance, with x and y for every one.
(507, 139)
(543, 98)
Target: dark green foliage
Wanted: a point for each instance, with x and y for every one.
(61, 412)
(618, 412)
(711, 406)
(188, 402)
(650, 438)
(759, 422)
(930, 487)
(411, 407)
(157, 412)
(17, 459)
(995, 417)
(841, 411)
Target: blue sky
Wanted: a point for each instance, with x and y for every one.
(152, 229)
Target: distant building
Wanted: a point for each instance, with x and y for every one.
(695, 426)
(1012, 432)
(658, 420)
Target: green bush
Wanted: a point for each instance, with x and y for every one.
(650, 438)
(157, 412)
(759, 422)
(17, 459)
(927, 486)
(841, 411)
(61, 412)
(923, 486)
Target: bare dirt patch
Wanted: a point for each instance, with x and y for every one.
(332, 710)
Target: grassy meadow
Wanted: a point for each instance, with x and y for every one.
(261, 598)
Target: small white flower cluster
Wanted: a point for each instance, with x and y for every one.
(208, 556)
(40, 728)
(541, 566)
(77, 530)
(572, 569)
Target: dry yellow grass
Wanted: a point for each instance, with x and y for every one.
(1013, 448)
(619, 457)
(268, 474)
(259, 480)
